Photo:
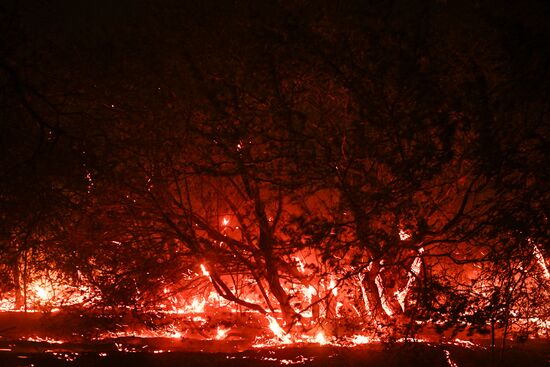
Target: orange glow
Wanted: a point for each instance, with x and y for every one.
(320, 338)
(196, 306)
(204, 271)
(221, 333)
(404, 235)
(309, 292)
(333, 288)
(541, 261)
(301, 266)
(339, 306)
(42, 293)
(277, 330)
(361, 339)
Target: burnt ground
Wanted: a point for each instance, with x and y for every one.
(416, 354)
(46, 349)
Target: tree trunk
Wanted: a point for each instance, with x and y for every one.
(18, 289)
(380, 307)
(504, 335)
(493, 340)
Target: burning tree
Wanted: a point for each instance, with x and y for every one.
(307, 168)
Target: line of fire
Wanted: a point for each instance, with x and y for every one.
(275, 174)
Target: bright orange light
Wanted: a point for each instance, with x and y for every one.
(320, 338)
(333, 287)
(339, 306)
(196, 306)
(309, 292)
(404, 235)
(221, 333)
(225, 221)
(541, 261)
(301, 266)
(360, 339)
(42, 293)
(278, 330)
(204, 271)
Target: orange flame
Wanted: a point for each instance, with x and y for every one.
(321, 338)
(221, 333)
(278, 330)
(204, 271)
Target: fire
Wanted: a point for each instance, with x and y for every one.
(360, 339)
(225, 221)
(204, 271)
(196, 306)
(221, 333)
(309, 292)
(333, 287)
(385, 305)
(301, 266)
(415, 271)
(541, 261)
(339, 306)
(404, 235)
(176, 335)
(320, 338)
(42, 293)
(277, 330)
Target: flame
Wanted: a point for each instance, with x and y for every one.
(360, 339)
(309, 292)
(204, 271)
(385, 305)
(225, 221)
(278, 330)
(42, 293)
(333, 288)
(404, 235)
(320, 338)
(176, 335)
(196, 306)
(221, 333)
(415, 270)
(339, 306)
(541, 261)
(301, 266)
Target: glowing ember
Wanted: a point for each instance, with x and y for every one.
(39, 339)
(225, 221)
(449, 360)
(404, 235)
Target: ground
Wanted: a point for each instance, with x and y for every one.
(35, 340)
